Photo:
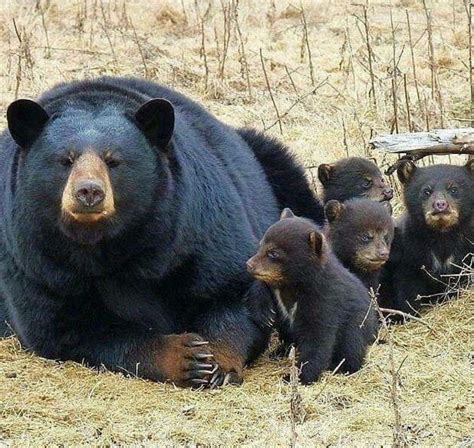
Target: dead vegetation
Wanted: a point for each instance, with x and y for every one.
(324, 76)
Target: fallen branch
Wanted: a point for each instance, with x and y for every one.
(417, 145)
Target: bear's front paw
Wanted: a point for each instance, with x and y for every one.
(186, 360)
(230, 366)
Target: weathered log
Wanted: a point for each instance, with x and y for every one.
(417, 145)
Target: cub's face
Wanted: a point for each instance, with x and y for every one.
(288, 248)
(90, 173)
(440, 195)
(354, 177)
(268, 265)
(372, 248)
(361, 232)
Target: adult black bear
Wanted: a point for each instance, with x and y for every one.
(284, 174)
(127, 215)
(433, 237)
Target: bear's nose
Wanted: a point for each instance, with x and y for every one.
(388, 194)
(250, 266)
(440, 205)
(383, 254)
(90, 193)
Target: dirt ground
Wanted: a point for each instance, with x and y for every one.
(325, 77)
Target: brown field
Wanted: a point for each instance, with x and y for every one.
(321, 73)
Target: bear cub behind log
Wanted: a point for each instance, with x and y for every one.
(327, 309)
(353, 177)
(433, 237)
(360, 232)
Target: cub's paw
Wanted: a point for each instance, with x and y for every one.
(187, 361)
(307, 374)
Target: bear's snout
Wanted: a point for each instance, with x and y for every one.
(90, 193)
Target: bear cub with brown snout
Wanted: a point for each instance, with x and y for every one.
(353, 177)
(327, 311)
(433, 237)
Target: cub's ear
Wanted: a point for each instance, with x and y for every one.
(334, 210)
(470, 166)
(316, 241)
(156, 119)
(405, 171)
(26, 120)
(286, 213)
(325, 171)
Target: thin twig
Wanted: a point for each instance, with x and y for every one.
(140, 49)
(243, 56)
(468, 6)
(298, 101)
(406, 316)
(296, 411)
(394, 76)
(395, 377)
(413, 65)
(271, 93)
(306, 40)
(369, 56)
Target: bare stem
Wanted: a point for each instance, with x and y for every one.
(270, 92)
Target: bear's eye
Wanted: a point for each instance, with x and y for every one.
(427, 191)
(67, 160)
(273, 254)
(367, 183)
(366, 237)
(453, 189)
(111, 161)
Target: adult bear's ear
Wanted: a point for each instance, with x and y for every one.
(325, 171)
(405, 171)
(316, 241)
(287, 213)
(156, 120)
(334, 210)
(26, 120)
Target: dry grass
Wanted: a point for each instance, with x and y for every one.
(45, 402)
(327, 110)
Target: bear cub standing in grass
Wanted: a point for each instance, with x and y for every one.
(360, 232)
(353, 177)
(327, 309)
(433, 237)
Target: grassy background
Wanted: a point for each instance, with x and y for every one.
(317, 60)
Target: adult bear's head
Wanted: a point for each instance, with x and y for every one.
(91, 172)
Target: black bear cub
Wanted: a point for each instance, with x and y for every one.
(434, 236)
(360, 232)
(327, 309)
(353, 177)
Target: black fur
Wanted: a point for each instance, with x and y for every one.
(353, 177)
(329, 315)
(422, 251)
(191, 206)
(285, 175)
